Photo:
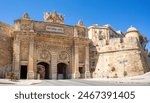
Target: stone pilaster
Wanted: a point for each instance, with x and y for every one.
(75, 32)
(16, 51)
(54, 66)
(76, 62)
(87, 72)
(31, 60)
(86, 33)
(107, 32)
(35, 68)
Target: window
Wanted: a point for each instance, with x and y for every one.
(100, 35)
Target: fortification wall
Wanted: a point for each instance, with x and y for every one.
(148, 62)
(5, 49)
(117, 44)
(119, 58)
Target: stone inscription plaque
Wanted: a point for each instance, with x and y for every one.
(55, 29)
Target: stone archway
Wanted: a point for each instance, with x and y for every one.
(62, 71)
(43, 70)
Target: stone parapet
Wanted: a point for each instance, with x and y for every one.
(117, 44)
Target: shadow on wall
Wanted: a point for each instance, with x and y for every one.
(93, 59)
(5, 71)
(148, 61)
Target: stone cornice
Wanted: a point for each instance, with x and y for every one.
(49, 35)
(111, 51)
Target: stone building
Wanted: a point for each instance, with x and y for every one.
(114, 54)
(50, 49)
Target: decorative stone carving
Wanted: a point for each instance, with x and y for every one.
(24, 38)
(63, 55)
(44, 46)
(24, 51)
(54, 17)
(26, 23)
(80, 23)
(44, 54)
(26, 16)
(27, 26)
(81, 32)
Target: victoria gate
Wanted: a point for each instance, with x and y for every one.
(50, 49)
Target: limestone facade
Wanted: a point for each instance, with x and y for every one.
(50, 49)
(5, 49)
(114, 54)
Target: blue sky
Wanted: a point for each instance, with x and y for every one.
(120, 14)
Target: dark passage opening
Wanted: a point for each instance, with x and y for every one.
(82, 72)
(23, 72)
(44, 72)
(62, 71)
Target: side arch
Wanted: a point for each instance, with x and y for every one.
(62, 71)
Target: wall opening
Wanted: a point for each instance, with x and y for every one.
(43, 70)
(62, 71)
(82, 72)
(23, 72)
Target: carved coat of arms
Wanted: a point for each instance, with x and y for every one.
(54, 17)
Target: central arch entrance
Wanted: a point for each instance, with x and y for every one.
(43, 70)
(62, 71)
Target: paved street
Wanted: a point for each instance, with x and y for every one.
(142, 80)
(87, 83)
(72, 83)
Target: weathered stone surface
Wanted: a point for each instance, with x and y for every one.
(116, 56)
(5, 49)
(51, 44)
(52, 50)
